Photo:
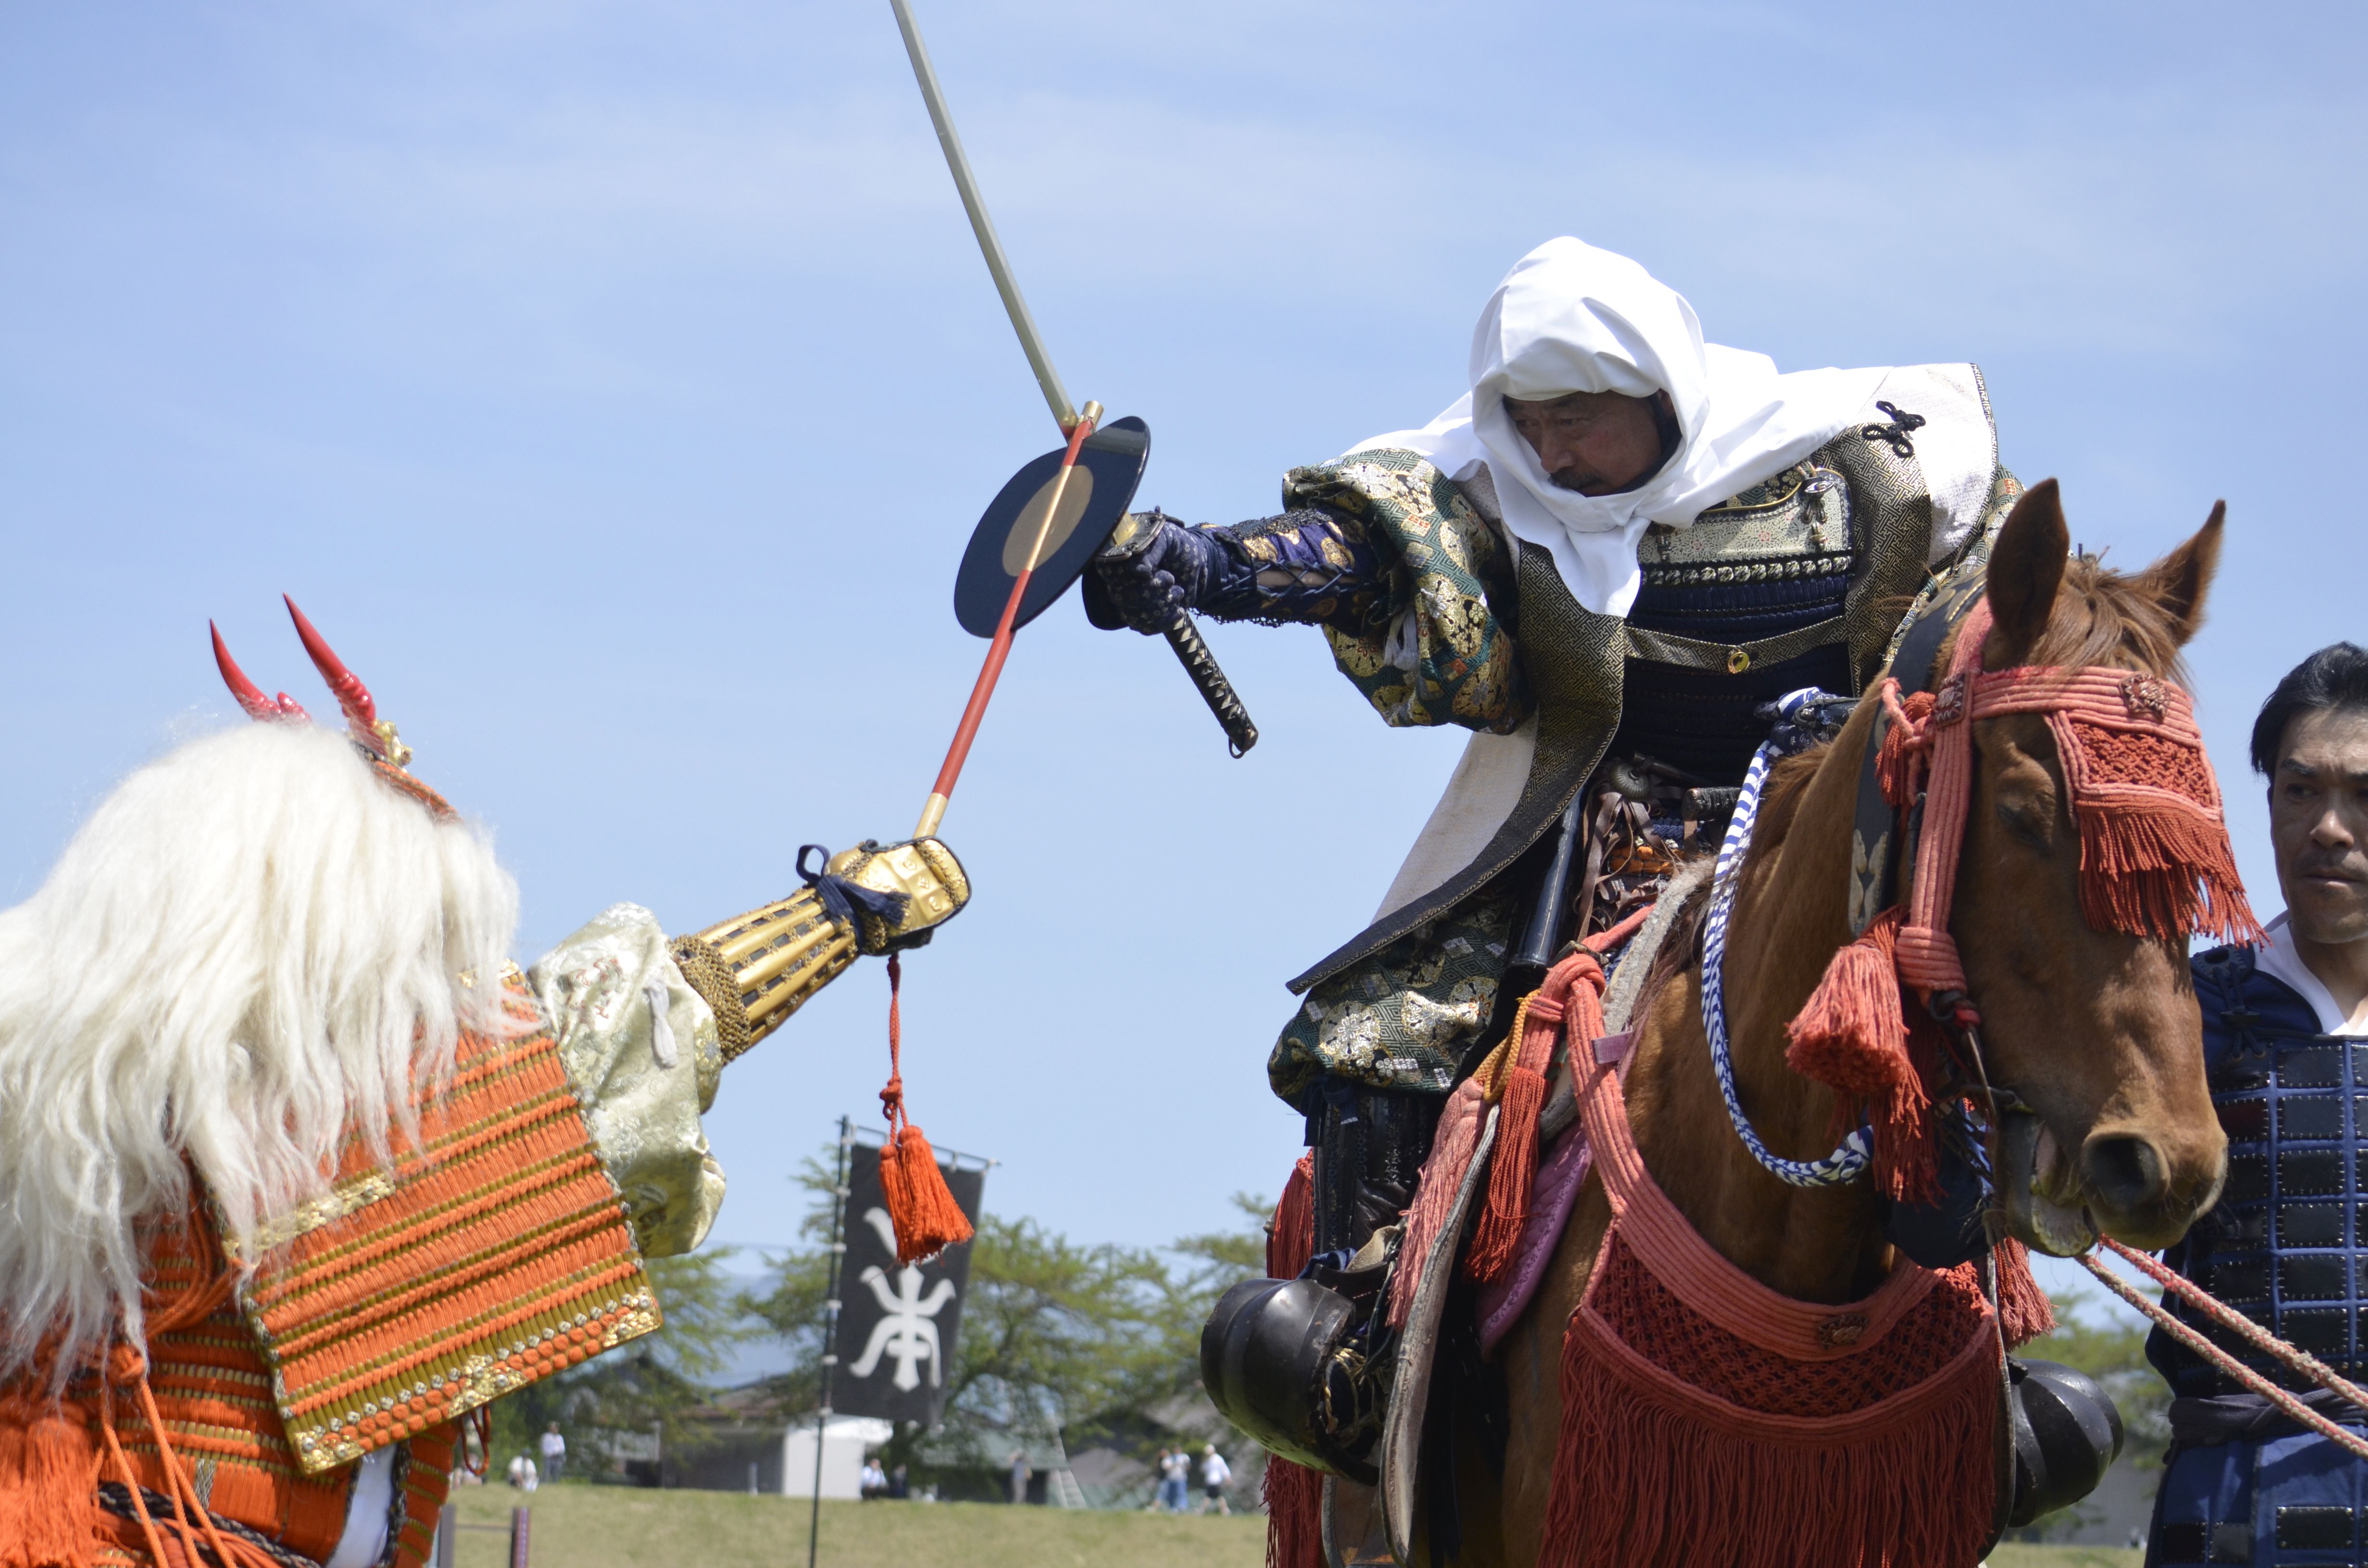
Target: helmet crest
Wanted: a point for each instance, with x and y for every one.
(374, 735)
(250, 696)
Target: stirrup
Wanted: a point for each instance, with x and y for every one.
(1305, 1365)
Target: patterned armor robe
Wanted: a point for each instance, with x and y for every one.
(1438, 616)
(2242, 1484)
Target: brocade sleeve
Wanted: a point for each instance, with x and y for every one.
(1432, 643)
(642, 1054)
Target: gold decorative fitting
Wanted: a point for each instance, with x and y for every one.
(2144, 696)
(391, 744)
(1737, 661)
(756, 969)
(1840, 1333)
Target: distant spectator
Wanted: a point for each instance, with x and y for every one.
(900, 1484)
(1214, 1473)
(554, 1452)
(1020, 1473)
(1175, 1479)
(1159, 1483)
(523, 1475)
(875, 1480)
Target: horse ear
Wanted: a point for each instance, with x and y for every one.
(2026, 566)
(2178, 581)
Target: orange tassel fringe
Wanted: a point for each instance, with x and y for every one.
(1291, 1237)
(1452, 1149)
(926, 1217)
(2024, 1310)
(1512, 1170)
(1643, 1476)
(1295, 1494)
(1853, 1036)
(49, 1477)
(1294, 1516)
(2154, 873)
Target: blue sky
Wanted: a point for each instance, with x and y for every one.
(616, 385)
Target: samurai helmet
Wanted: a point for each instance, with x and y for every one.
(374, 737)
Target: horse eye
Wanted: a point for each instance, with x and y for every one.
(2029, 822)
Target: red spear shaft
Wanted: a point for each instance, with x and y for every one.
(999, 648)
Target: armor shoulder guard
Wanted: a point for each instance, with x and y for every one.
(2244, 1005)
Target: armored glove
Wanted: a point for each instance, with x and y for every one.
(1306, 566)
(1165, 567)
(756, 969)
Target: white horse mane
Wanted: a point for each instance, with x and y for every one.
(252, 943)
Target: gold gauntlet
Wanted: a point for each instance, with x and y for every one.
(756, 969)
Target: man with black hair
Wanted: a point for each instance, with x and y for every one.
(2285, 1039)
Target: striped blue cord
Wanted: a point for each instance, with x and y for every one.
(1849, 1161)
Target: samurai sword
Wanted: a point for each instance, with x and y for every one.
(1184, 637)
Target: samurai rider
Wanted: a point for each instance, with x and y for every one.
(298, 1170)
(1602, 560)
(2285, 1043)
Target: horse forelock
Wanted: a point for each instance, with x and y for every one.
(2104, 617)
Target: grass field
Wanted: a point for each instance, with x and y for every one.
(588, 1527)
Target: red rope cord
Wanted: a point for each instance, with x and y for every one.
(2286, 1404)
(891, 1099)
(2261, 1338)
(107, 1397)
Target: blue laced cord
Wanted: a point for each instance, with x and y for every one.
(1849, 1160)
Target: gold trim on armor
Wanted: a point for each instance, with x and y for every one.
(1667, 648)
(756, 969)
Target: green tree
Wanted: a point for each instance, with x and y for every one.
(1094, 1343)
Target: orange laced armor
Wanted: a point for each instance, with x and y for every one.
(493, 1251)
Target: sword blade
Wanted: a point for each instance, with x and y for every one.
(980, 224)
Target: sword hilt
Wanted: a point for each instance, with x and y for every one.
(1215, 689)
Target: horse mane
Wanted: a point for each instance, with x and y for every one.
(2104, 617)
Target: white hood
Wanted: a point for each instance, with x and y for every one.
(1572, 318)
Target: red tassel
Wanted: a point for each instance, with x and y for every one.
(1294, 1516)
(48, 1481)
(926, 1217)
(1899, 764)
(1512, 1171)
(2024, 1310)
(1569, 1002)
(1852, 1037)
(1452, 1149)
(1290, 1238)
(1642, 1476)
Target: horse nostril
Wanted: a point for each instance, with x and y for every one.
(2123, 1173)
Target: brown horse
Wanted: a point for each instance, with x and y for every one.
(2098, 1032)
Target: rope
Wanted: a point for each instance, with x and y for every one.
(1849, 1160)
(2229, 1317)
(891, 1099)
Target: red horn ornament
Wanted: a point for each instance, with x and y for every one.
(361, 713)
(250, 696)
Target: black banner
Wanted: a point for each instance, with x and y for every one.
(896, 1324)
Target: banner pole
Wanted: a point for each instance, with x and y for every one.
(829, 1330)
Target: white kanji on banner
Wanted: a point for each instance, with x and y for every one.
(905, 1333)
